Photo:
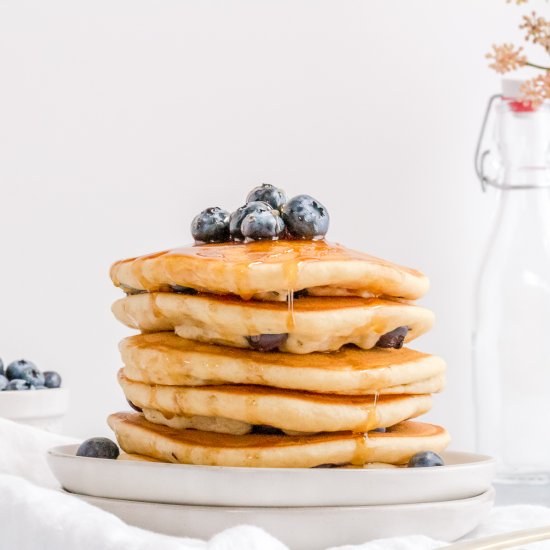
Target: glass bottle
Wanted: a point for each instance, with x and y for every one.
(511, 341)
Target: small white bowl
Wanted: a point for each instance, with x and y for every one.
(39, 408)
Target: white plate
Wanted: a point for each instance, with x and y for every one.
(35, 407)
(465, 475)
(312, 528)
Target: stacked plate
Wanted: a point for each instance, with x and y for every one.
(304, 508)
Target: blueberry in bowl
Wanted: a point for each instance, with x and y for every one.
(15, 369)
(270, 194)
(98, 447)
(211, 226)
(32, 376)
(44, 408)
(26, 371)
(305, 217)
(17, 384)
(52, 379)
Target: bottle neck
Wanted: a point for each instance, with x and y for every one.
(524, 145)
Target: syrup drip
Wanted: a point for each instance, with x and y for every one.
(362, 454)
(290, 320)
(157, 312)
(371, 420)
(373, 413)
(181, 265)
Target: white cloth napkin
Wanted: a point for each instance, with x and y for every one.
(35, 515)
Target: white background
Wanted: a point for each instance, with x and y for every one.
(119, 120)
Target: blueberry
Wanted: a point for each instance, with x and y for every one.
(425, 459)
(262, 225)
(130, 291)
(237, 217)
(211, 226)
(15, 368)
(3, 382)
(266, 430)
(32, 375)
(135, 407)
(267, 193)
(267, 342)
(379, 430)
(305, 217)
(393, 339)
(178, 289)
(40, 388)
(52, 379)
(1, 366)
(18, 385)
(98, 447)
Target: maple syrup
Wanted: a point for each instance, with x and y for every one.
(180, 266)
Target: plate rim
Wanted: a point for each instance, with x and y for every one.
(488, 494)
(60, 451)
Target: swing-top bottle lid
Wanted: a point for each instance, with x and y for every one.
(511, 93)
(511, 88)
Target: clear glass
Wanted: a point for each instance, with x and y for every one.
(511, 343)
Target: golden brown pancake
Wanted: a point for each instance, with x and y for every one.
(216, 424)
(285, 409)
(270, 270)
(369, 466)
(136, 435)
(165, 358)
(313, 324)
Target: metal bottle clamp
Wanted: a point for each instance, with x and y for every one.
(479, 161)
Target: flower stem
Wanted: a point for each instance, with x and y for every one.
(535, 66)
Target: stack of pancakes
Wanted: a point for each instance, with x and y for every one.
(274, 354)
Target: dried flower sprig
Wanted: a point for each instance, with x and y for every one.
(536, 89)
(506, 57)
(537, 30)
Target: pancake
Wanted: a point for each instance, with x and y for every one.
(165, 358)
(269, 270)
(313, 324)
(216, 424)
(370, 466)
(136, 435)
(285, 409)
